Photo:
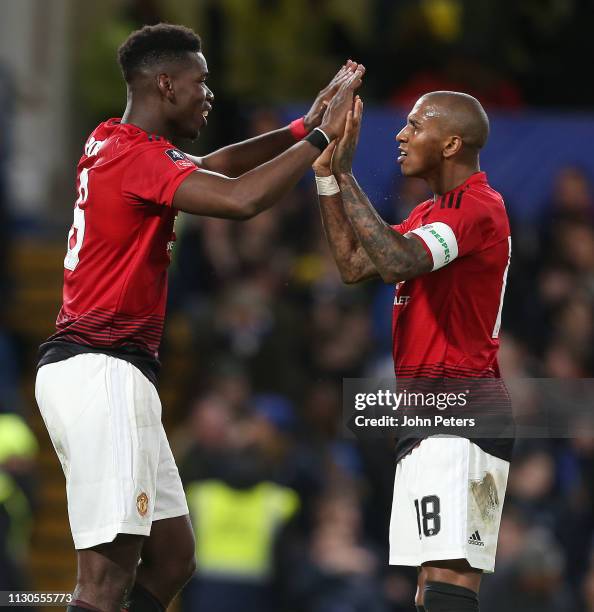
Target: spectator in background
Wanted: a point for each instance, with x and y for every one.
(551, 285)
(572, 195)
(254, 326)
(292, 464)
(571, 210)
(239, 515)
(532, 580)
(333, 353)
(531, 485)
(567, 280)
(575, 528)
(205, 439)
(18, 448)
(339, 570)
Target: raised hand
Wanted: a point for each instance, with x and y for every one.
(322, 165)
(342, 160)
(335, 116)
(316, 112)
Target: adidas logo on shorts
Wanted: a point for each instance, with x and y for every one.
(475, 539)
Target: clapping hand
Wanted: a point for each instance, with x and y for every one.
(318, 108)
(342, 159)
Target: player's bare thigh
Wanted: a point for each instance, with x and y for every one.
(452, 571)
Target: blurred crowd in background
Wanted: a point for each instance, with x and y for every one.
(289, 514)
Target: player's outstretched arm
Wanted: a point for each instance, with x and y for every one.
(352, 260)
(395, 257)
(236, 159)
(216, 195)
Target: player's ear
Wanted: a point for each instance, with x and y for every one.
(452, 146)
(165, 85)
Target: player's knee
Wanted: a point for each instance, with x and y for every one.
(444, 597)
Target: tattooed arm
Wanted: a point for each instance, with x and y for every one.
(395, 257)
(351, 258)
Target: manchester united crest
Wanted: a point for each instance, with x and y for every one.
(142, 504)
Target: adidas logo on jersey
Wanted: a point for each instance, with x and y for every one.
(475, 539)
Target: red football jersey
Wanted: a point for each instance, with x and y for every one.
(446, 323)
(119, 246)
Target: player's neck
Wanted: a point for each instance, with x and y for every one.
(451, 177)
(147, 120)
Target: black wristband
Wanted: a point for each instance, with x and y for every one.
(318, 138)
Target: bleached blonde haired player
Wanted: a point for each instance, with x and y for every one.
(96, 380)
(449, 261)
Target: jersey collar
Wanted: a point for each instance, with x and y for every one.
(477, 177)
(473, 179)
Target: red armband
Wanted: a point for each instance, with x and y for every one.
(297, 128)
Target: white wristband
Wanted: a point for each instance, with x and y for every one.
(327, 185)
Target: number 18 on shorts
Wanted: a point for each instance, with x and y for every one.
(448, 499)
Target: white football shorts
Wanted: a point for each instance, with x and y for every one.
(448, 499)
(104, 419)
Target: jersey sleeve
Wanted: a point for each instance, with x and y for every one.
(402, 228)
(454, 232)
(154, 175)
